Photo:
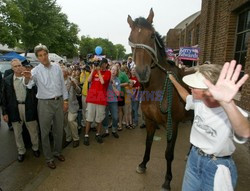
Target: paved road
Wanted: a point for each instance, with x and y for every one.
(8, 151)
(108, 167)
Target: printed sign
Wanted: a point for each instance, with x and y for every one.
(170, 53)
(189, 53)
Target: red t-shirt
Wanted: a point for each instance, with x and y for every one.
(135, 87)
(97, 92)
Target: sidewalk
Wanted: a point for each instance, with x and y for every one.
(111, 166)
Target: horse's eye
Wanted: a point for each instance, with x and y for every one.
(152, 35)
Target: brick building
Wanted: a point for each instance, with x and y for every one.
(222, 30)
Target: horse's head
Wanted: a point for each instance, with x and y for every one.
(143, 44)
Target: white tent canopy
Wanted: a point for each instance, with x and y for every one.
(52, 57)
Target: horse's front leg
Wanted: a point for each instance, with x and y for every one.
(169, 155)
(150, 126)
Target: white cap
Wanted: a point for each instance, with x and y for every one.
(195, 80)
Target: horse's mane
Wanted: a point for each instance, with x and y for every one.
(161, 44)
(142, 22)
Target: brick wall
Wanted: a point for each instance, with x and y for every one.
(172, 38)
(245, 92)
(217, 36)
(235, 7)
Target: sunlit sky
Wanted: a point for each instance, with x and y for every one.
(108, 18)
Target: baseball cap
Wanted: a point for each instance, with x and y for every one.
(26, 63)
(104, 60)
(195, 80)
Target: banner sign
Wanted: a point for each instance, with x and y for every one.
(189, 53)
(170, 53)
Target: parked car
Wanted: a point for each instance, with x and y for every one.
(5, 65)
(34, 63)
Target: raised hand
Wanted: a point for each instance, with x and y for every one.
(227, 85)
(6, 118)
(27, 74)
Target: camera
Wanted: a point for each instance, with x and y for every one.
(87, 68)
(89, 56)
(92, 63)
(96, 63)
(90, 60)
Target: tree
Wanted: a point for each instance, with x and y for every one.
(66, 41)
(41, 21)
(10, 23)
(37, 21)
(120, 52)
(88, 44)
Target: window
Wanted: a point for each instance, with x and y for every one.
(189, 38)
(242, 36)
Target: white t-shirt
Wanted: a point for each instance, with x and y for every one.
(212, 131)
(130, 65)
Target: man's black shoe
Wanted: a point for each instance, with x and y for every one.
(66, 143)
(20, 158)
(75, 144)
(60, 157)
(99, 139)
(36, 153)
(115, 135)
(86, 141)
(51, 164)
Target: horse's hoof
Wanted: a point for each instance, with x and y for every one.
(140, 170)
(166, 186)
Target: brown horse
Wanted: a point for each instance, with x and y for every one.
(152, 70)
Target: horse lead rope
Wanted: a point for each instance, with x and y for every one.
(167, 85)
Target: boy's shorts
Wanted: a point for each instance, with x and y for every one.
(95, 113)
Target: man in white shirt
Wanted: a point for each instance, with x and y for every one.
(217, 123)
(52, 101)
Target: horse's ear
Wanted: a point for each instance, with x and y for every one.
(150, 16)
(130, 21)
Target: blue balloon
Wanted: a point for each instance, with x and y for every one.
(98, 50)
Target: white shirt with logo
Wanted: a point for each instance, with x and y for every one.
(212, 131)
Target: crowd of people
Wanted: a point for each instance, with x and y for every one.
(54, 99)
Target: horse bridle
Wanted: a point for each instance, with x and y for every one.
(151, 51)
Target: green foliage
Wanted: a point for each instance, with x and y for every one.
(120, 52)
(88, 44)
(26, 23)
(37, 21)
(10, 23)
(66, 41)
